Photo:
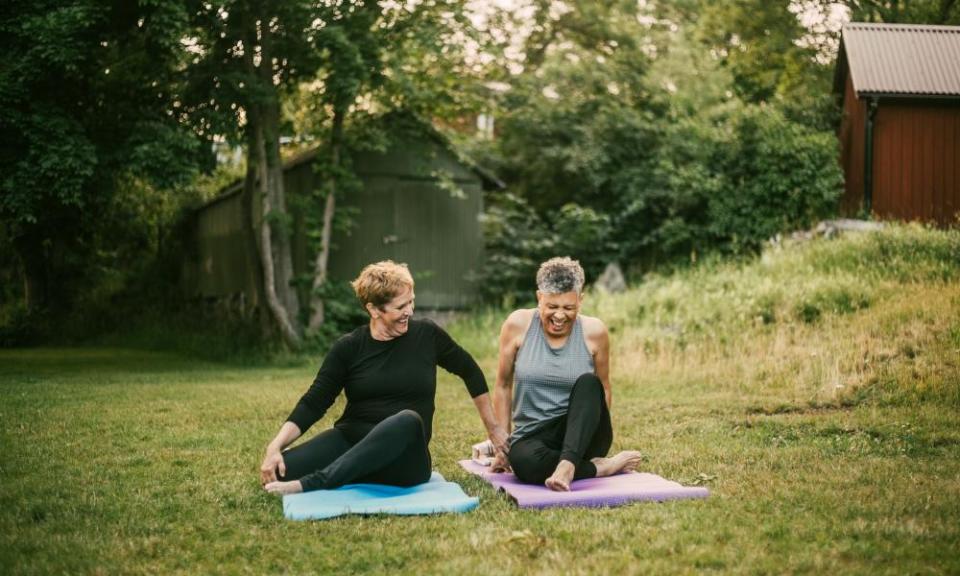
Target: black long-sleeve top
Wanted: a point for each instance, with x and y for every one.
(380, 378)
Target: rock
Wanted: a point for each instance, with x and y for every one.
(826, 229)
(831, 227)
(612, 279)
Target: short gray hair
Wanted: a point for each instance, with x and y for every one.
(560, 275)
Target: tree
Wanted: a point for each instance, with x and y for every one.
(408, 58)
(773, 57)
(576, 133)
(943, 12)
(352, 58)
(252, 55)
(248, 55)
(663, 128)
(577, 110)
(87, 89)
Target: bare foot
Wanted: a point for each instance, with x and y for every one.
(562, 476)
(293, 487)
(626, 461)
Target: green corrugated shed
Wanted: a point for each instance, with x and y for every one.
(405, 211)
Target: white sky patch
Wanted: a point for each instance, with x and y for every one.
(192, 45)
(646, 16)
(649, 49)
(558, 9)
(647, 20)
(498, 86)
(550, 93)
(823, 25)
(510, 37)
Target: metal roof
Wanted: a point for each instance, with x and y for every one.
(489, 179)
(902, 59)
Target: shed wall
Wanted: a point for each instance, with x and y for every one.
(402, 212)
(852, 134)
(222, 269)
(917, 161)
(392, 218)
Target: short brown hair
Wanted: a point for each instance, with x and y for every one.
(380, 282)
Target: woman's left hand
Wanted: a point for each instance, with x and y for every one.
(293, 487)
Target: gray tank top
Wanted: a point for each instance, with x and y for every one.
(543, 376)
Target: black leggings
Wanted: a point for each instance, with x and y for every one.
(394, 452)
(584, 432)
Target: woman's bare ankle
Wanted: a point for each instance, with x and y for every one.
(562, 476)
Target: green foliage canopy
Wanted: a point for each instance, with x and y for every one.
(683, 129)
(86, 93)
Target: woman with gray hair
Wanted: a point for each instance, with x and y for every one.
(553, 382)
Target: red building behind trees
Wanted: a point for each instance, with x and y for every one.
(900, 132)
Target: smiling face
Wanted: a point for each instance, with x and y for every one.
(558, 311)
(393, 318)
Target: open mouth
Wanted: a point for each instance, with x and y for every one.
(557, 324)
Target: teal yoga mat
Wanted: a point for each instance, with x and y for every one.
(433, 497)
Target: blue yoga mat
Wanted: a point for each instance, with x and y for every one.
(432, 497)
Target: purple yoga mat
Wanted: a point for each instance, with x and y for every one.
(589, 492)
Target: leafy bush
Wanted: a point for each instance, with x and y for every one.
(22, 327)
(777, 175)
(518, 240)
(342, 313)
(664, 217)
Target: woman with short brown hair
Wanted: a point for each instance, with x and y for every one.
(388, 371)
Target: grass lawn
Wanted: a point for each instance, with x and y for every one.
(816, 391)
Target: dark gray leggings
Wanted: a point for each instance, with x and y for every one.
(584, 432)
(394, 452)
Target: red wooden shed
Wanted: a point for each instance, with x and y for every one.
(899, 85)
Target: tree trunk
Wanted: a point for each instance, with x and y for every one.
(36, 275)
(263, 126)
(323, 256)
(281, 234)
(281, 231)
(258, 156)
(251, 250)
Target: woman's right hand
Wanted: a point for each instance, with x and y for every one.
(272, 463)
(500, 439)
(500, 463)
